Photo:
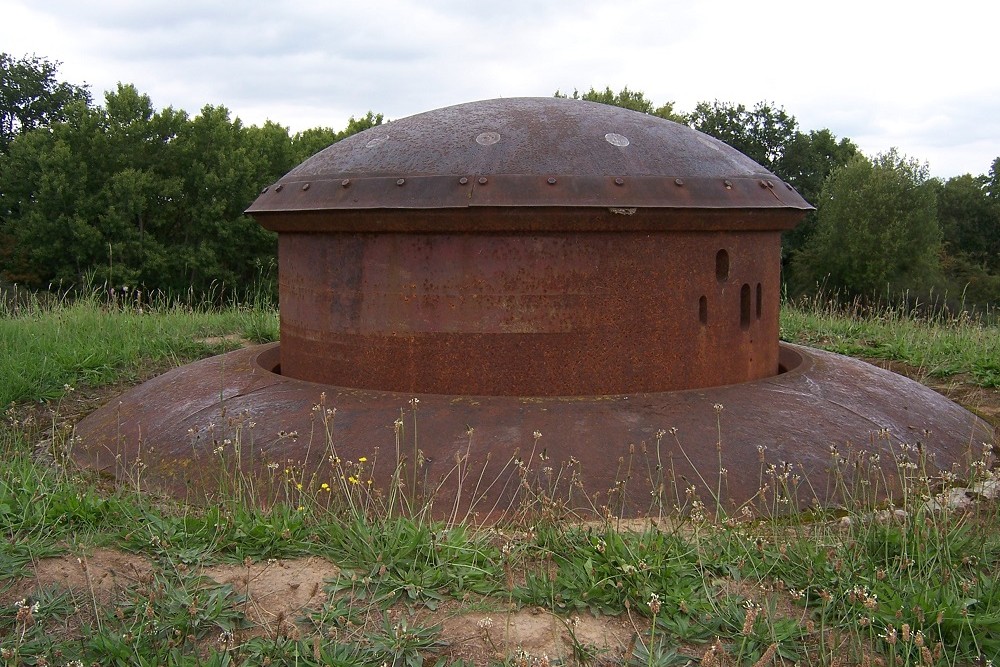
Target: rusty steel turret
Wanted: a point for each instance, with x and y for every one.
(529, 247)
(538, 284)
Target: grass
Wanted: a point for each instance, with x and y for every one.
(913, 583)
(940, 344)
(49, 345)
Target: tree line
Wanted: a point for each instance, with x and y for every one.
(120, 193)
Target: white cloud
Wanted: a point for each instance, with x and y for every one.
(884, 74)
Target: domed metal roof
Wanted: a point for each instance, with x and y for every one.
(535, 152)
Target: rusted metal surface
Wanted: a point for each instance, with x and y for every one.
(186, 432)
(559, 299)
(531, 219)
(527, 152)
(529, 247)
(512, 190)
(529, 315)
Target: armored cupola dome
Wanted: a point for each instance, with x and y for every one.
(529, 247)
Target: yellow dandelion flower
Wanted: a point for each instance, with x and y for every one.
(324, 486)
(362, 459)
(299, 486)
(352, 479)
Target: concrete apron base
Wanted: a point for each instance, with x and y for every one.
(230, 425)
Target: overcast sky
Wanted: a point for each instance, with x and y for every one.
(914, 75)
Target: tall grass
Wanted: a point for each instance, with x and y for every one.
(938, 342)
(48, 343)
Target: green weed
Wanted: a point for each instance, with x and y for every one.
(938, 343)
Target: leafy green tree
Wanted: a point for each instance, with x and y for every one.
(216, 167)
(31, 96)
(309, 142)
(123, 194)
(808, 159)
(762, 133)
(805, 164)
(85, 192)
(48, 223)
(993, 181)
(970, 220)
(877, 229)
(133, 187)
(627, 99)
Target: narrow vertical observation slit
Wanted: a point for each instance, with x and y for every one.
(745, 307)
(722, 265)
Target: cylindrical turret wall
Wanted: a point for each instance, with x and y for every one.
(530, 314)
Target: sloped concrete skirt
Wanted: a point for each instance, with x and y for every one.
(232, 424)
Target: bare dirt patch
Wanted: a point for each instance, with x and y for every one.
(229, 341)
(277, 591)
(98, 575)
(281, 593)
(482, 637)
